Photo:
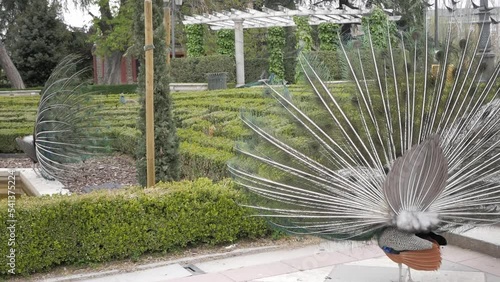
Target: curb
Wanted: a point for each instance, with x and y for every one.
(474, 244)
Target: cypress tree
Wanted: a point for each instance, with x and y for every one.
(167, 164)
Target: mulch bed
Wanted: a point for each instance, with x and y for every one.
(107, 172)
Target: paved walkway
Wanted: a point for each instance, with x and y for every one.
(323, 262)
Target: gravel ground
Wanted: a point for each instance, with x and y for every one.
(109, 172)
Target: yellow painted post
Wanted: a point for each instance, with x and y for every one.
(150, 141)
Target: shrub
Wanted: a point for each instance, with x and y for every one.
(195, 69)
(114, 89)
(107, 225)
(200, 161)
(330, 61)
(125, 140)
(8, 138)
(254, 68)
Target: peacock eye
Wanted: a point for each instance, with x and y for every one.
(462, 43)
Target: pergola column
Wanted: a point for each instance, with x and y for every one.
(239, 52)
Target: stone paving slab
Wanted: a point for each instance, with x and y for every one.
(336, 260)
(312, 275)
(485, 240)
(318, 260)
(258, 271)
(210, 277)
(361, 273)
(158, 274)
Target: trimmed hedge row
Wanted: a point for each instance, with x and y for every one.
(107, 225)
(8, 138)
(208, 123)
(194, 69)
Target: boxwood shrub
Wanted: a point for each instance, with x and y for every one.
(195, 69)
(114, 89)
(109, 225)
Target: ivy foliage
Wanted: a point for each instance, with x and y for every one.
(225, 42)
(276, 43)
(303, 33)
(378, 25)
(195, 45)
(328, 36)
(113, 29)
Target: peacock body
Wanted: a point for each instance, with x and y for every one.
(67, 128)
(406, 150)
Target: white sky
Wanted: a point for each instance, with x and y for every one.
(78, 18)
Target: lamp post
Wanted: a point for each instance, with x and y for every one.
(436, 18)
(166, 23)
(174, 4)
(485, 53)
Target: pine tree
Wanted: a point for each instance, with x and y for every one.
(167, 164)
(37, 40)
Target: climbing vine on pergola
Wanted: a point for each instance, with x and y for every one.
(251, 18)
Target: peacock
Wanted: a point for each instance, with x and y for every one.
(67, 127)
(408, 148)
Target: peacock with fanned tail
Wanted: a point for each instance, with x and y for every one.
(67, 128)
(408, 149)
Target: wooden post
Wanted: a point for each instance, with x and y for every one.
(166, 23)
(148, 47)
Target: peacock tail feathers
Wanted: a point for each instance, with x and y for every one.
(68, 126)
(413, 138)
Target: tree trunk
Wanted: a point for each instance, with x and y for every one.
(113, 68)
(10, 70)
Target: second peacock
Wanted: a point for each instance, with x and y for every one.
(68, 128)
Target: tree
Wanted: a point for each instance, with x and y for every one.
(8, 11)
(167, 163)
(37, 40)
(113, 34)
(10, 69)
(412, 11)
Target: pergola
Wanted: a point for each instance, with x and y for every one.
(251, 18)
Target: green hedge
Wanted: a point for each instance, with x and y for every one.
(200, 161)
(8, 138)
(331, 61)
(108, 225)
(125, 140)
(207, 124)
(254, 69)
(114, 89)
(195, 69)
(201, 155)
